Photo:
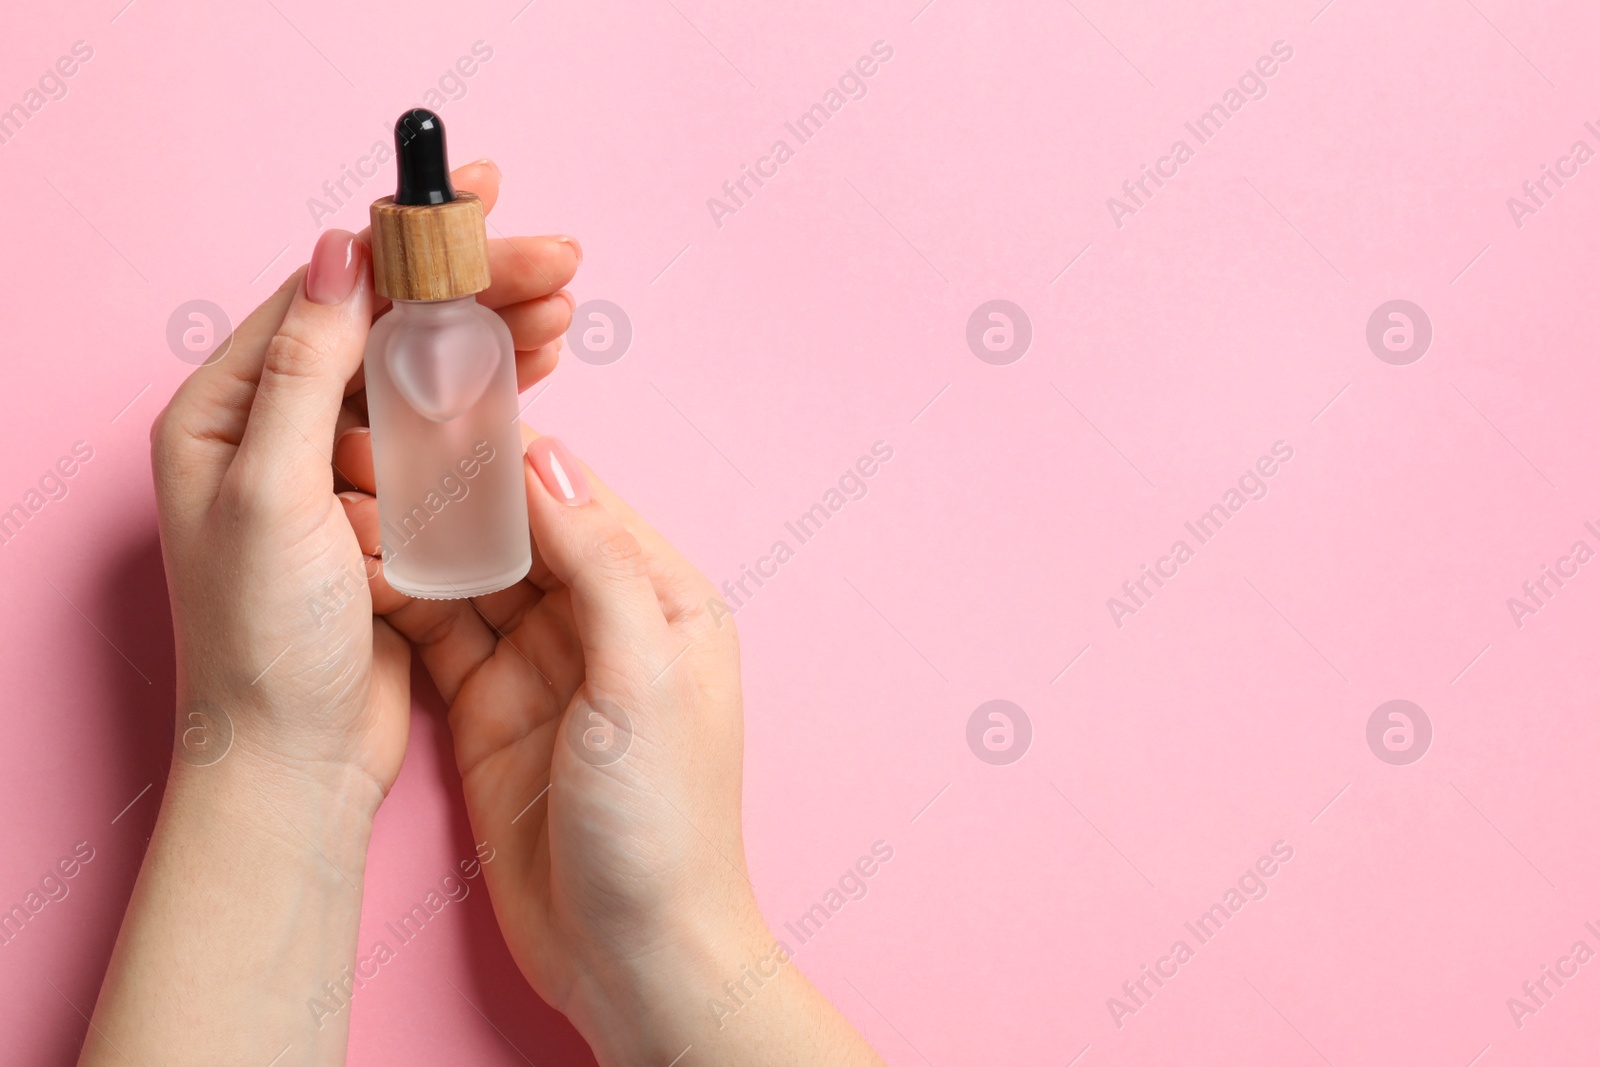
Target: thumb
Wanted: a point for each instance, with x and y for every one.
(615, 608)
(315, 351)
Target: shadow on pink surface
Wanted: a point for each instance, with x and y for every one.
(128, 719)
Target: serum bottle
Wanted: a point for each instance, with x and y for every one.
(441, 388)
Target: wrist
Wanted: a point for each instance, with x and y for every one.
(246, 910)
(211, 750)
(649, 1007)
(329, 807)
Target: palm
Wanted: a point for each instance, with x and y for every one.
(512, 670)
(506, 719)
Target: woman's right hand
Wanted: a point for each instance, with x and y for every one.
(598, 728)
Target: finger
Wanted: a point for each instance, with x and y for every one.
(451, 638)
(307, 362)
(526, 268)
(452, 645)
(535, 323)
(196, 436)
(535, 366)
(614, 605)
(539, 626)
(362, 514)
(352, 457)
(480, 178)
(362, 511)
(684, 593)
(349, 419)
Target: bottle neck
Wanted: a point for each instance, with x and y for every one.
(418, 305)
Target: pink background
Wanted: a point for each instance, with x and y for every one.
(826, 314)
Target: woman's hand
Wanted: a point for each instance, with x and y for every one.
(598, 728)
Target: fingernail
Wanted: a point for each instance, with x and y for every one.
(487, 162)
(559, 471)
(572, 301)
(334, 266)
(577, 249)
(352, 497)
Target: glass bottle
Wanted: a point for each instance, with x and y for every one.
(441, 382)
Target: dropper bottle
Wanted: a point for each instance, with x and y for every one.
(441, 382)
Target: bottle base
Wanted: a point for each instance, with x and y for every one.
(456, 591)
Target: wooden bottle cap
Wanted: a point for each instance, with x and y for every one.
(429, 251)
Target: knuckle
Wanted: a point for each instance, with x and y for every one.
(727, 631)
(161, 434)
(716, 623)
(255, 495)
(172, 447)
(709, 622)
(293, 356)
(618, 551)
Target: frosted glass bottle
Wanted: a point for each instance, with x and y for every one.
(441, 387)
(441, 381)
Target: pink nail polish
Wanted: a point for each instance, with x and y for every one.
(559, 471)
(334, 266)
(577, 249)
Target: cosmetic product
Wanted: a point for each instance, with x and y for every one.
(441, 380)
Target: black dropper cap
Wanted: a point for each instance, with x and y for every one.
(424, 167)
